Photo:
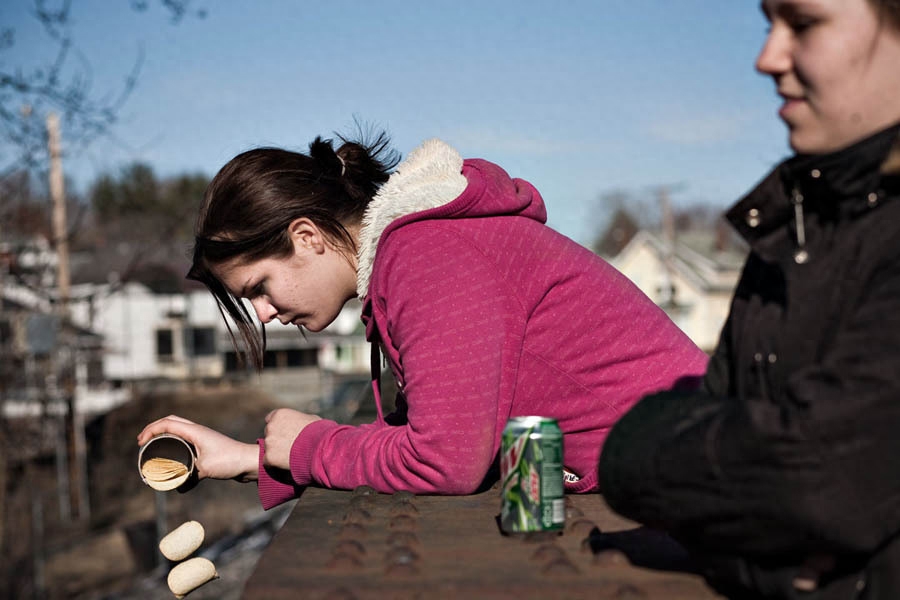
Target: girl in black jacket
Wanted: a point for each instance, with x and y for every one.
(782, 474)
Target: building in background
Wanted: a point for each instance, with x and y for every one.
(691, 275)
(42, 355)
(171, 339)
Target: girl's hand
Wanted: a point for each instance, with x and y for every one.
(218, 456)
(283, 425)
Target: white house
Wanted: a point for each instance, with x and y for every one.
(182, 337)
(692, 278)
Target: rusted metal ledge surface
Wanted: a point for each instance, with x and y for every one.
(363, 545)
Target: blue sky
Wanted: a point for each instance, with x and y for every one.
(581, 98)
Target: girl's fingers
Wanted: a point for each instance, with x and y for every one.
(180, 419)
(164, 420)
(172, 418)
(170, 424)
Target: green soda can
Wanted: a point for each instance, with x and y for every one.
(531, 472)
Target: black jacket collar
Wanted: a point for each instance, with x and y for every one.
(842, 180)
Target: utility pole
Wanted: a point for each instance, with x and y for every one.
(60, 224)
(668, 233)
(74, 422)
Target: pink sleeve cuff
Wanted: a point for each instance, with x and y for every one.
(273, 485)
(303, 449)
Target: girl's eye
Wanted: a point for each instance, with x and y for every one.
(258, 290)
(801, 24)
(799, 20)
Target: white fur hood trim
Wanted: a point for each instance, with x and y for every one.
(431, 176)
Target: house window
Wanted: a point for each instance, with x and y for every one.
(303, 357)
(290, 358)
(666, 295)
(164, 348)
(203, 341)
(232, 362)
(95, 371)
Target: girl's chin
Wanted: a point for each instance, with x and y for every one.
(803, 141)
(311, 327)
(808, 143)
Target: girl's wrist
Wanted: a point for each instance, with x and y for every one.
(249, 463)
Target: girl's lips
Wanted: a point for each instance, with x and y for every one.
(790, 105)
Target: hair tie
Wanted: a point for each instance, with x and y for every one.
(343, 166)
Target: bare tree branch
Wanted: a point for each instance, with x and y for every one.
(64, 85)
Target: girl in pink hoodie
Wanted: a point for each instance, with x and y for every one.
(481, 310)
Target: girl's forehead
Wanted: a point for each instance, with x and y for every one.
(231, 270)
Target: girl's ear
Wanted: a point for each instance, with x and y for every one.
(306, 236)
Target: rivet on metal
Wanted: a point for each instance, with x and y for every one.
(403, 496)
(401, 555)
(580, 527)
(573, 513)
(358, 515)
(402, 523)
(611, 558)
(351, 547)
(559, 566)
(404, 508)
(629, 592)
(365, 501)
(403, 538)
(364, 490)
(352, 531)
(342, 560)
(547, 552)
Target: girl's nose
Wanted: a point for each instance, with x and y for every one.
(775, 56)
(264, 310)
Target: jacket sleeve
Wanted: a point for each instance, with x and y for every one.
(814, 471)
(274, 486)
(453, 323)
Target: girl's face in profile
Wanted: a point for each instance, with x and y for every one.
(837, 67)
(307, 288)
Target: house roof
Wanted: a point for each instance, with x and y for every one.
(697, 255)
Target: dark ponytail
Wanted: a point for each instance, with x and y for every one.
(363, 172)
(250, 203)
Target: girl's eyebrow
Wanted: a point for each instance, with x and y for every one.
(784, 7)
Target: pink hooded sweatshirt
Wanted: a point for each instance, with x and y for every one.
(483, 313)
